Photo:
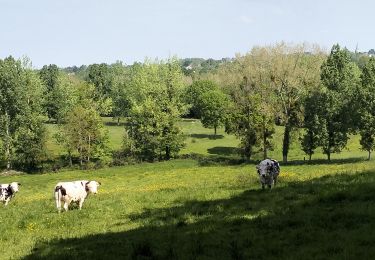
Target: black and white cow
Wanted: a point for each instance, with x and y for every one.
(8, 191)
(74, 191)
(268, 171)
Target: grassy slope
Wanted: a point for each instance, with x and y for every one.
(181, 209)
(202, 141)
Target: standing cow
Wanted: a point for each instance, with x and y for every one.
(75, 191)
(268, 171)
(8, 191)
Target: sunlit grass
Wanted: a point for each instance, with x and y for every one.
(183, 210)
(168, 195)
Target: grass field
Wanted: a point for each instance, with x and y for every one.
(183, 209)
(200, 140)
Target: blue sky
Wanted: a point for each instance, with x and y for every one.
(75, 32)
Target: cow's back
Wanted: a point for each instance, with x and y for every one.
(74, 190)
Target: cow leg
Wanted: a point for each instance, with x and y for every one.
(269, 186)
(262, 186)
(66, 206)
(80, 204)
(6, 201)
(58, 205)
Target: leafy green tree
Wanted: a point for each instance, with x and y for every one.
(155, 133)
(314, 123)
(241, 122)
(340, 77)
(22, 130)
(281, 76)
(65, 95)
(254, 101)
(101, 77)
(83, 132)
(207, 102)
(251, 119)
(156, 109)
(367, 107)
(367, 133)
(31, 136)
(59, 92)
(213, 106)
(11, 105)
(294, 70)
(121, 94)
(194, 93)
(49, 75)
(30, 143)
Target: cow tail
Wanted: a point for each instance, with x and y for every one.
(58, 197)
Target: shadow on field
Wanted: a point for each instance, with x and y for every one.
(211, 160)
(212, 137)
(324, 161)
(114, 123)
(325, 218)
(219, 160)
(222, 150)
(190, 120)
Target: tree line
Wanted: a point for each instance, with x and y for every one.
(327, 95)
(299, 87)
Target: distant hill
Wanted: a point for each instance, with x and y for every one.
(188, 66)
(200, 65)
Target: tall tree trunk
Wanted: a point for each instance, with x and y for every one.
(369, 155)
(70, 159)
(310, 157)
(118, 121)
(264, 139)
(215, 127)
(7, 145)
(167, 153)
(330, 142)
(80, 156)
(81, 141)
(286, 142)
(264, 153)
(89, 149)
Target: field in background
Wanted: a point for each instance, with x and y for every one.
(202, 141)
(187, 209)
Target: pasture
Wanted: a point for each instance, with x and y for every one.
(201, 141)
(199, 209)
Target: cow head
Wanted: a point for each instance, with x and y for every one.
(264, 168)
(92, 186)
(14, 186)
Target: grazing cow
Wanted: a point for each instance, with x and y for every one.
(8, 191)
(268, 171)
(75, 191)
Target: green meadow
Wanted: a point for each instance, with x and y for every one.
(207, 207)
(201, 141)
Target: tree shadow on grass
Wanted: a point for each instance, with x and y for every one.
(325, 218)
(208, 136)
(220, 160)
(223, 150)
(190, 120)
(114, 123)
(212, 160)
(324, 161)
